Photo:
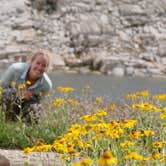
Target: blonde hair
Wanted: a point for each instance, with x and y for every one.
(43, 53)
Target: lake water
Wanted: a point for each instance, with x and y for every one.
(109, 87)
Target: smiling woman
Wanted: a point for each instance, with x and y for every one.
(22, 86)
(38, 65)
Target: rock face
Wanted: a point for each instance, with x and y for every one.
(124, 37)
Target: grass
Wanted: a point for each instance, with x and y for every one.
(129, 132)
(17, 135)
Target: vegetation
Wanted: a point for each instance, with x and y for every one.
(132, 132)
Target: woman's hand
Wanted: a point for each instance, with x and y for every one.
(26, 94)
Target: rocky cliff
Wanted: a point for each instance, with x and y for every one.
(116, 37)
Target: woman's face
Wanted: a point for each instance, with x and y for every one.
(38, 66)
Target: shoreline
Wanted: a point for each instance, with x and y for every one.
(98, 73)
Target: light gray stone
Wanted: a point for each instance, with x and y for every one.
(128, 33)
(118, 71)
(130, 9)
(129, 71)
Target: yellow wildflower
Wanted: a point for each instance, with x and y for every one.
(147, 132)
(21, 86)
(112, 106)
(156, 155)
(153, 156)
(73, 152)
(143, 93)
(42, 148)
(157, 145)
(132, 96)
(27, 150)
(39, 143)
(80, 144)
(28, 82)
(89, 118)
(128, 123)
(126, 144)
(101, 113)
(73, 102)
(106, 159)
(134, 156)
(135, 134)
(65, 89)
(99, 99)
(163, 115)
(58, 102)
(13, 83)
(87, 145)
(147, 107)
(160, 96)
(86, 162)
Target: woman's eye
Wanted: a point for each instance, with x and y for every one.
(43, 65)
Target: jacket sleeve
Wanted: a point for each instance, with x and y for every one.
(7, 77)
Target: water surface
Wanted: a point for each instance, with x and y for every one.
(110, 87)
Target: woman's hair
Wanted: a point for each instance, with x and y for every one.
(37, 54)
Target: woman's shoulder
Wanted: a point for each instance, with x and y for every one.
(19, 66)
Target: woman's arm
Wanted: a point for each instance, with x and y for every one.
(7, 77)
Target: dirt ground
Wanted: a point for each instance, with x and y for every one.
(17, 158)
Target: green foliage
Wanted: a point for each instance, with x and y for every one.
(17, 135)
(132, 132)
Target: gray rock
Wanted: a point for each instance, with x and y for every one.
(127, 33)
(118, 71)
(129, 71)
(129, 9)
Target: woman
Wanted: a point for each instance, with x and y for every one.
(23, 85)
